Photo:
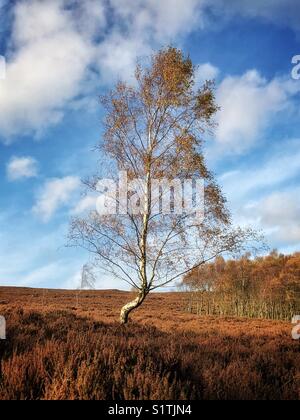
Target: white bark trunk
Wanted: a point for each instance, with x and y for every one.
(129, 307)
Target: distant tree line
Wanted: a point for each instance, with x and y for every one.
(261, 287)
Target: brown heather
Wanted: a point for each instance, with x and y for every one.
(69, 345)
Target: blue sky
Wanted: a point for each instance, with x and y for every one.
(62, 54)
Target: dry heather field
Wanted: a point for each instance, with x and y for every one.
(69, 345)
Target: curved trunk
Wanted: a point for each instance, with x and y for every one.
(131, 306)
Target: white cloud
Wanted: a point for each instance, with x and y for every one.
(278, 214)
(87, 203)
(45, 70)
(21, 167)
(90, 17)
(248, 103)
(262, 195)
(280, 167)
(55, 43)
(282, 207)
(41, 275)
(55, 193)
(161, 20)
(136, 30)
(205, 72)
(45, 263)
(117, 57)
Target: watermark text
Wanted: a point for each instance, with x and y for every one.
(137, 196)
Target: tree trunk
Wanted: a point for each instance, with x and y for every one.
(131, 306)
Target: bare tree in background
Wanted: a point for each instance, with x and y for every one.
(88, 279)
(154, 130)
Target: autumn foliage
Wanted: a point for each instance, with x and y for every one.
(265, 287)
(154, 131)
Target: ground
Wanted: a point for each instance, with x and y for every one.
(69, 345)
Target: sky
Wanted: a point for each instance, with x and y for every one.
(62, 54)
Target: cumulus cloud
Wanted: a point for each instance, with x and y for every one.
(54, 44)
(204, 72)
(62, 50)
(117, 57)
(139, 27)
(45, 69)
(86, 203)
(261, 195)
(21, 167)
(268, 174)
(281, 207)
(248, 103)
(161, 20)
(278, 214)
(56, 193)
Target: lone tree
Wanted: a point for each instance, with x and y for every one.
(88, 278)
(154, 132)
